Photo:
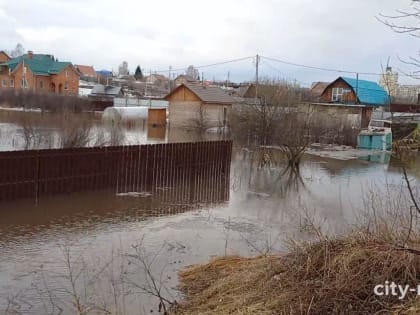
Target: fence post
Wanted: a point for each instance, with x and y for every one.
(193, 171)
(149, 167)
(37, 175)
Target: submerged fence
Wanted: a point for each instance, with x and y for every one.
(194, 172)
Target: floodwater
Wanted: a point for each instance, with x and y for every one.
(100, 251)
(45, 131)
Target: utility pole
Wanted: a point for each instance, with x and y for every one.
(169, 77)
(150, 78)
(257, 61)
(145, 86)
(227, 81)
(357, 87)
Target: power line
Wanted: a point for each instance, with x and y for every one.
(328, 69)
(283, 62)
(209, 65)
(281, 72)
(308, 84)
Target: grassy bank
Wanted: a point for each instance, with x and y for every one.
(326, 277)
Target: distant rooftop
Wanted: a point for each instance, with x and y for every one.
(105, 73)
(87, 71)
(100, 89)
(208, 94)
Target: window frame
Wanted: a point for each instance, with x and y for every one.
(24, 83)
(337, 93)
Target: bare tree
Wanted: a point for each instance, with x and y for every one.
(411, 17)
(153, 285)
(273, 118)
(192, 73)
(17, 51)
(33, 134)
(75, 131)
(200, 122)
(405, 22)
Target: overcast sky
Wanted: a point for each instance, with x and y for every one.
(158, 33)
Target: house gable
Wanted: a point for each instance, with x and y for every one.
(86, 71)
(368, 92)
(4, 57)
(327, 94)
(182, 93)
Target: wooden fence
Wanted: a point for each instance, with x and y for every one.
(194, 172)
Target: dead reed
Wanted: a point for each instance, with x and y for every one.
(327, 277)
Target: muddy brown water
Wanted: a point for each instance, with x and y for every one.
(99, 241)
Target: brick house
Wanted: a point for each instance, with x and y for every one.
(87, 73)
(3, 56)
(39, 73)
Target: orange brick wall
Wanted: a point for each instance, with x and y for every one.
(18, 76)
(3, 57)
(54, 83)
(7, 78)
(72, 81)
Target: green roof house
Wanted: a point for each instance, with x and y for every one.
(40, 73)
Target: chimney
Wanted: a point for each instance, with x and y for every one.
(30, 54)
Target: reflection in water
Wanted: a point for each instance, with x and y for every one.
(382, 158)
(156, 133)
(279, 182)
(186, 193)
(77, 221)
(264, 207)
(46, 127)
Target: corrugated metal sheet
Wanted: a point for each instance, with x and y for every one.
(368, 92)
(100, 89)
(130, 101)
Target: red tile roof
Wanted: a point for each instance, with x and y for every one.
(87, 71)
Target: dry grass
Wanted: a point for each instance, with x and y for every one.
(327, 277)
(409, 143)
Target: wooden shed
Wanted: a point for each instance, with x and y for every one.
(354, 91)
(194, 105)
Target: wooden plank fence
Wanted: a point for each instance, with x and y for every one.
(177, 172)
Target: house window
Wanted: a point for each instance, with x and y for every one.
(24, 83)
(12, 83)
(66, 85)
(4, 83)
(41, 84)
(67, 73)
(340, 94)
